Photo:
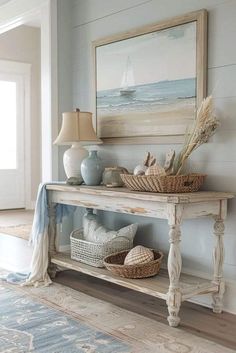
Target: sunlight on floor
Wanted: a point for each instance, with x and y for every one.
(15, 253)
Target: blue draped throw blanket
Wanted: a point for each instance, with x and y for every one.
(39, 240)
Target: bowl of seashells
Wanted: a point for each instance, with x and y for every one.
(153, 177)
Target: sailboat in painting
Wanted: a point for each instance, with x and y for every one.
(128, 83)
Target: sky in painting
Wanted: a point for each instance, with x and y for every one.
(168, 54)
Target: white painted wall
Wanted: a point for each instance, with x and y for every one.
(2, 2)
(65, 96)
(94, 19)
(22, 44)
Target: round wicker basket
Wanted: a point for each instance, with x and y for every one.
(115, 264)
(165, 184)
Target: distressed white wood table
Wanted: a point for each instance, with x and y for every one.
(172, 286)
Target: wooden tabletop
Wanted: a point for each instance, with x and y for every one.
(199, 196)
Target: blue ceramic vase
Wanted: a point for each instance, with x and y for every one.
(92, 169)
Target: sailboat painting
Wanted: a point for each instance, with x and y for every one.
(127, 84)
(147, 84)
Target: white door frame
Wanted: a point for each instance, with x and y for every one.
(24, 70)
(13, 14)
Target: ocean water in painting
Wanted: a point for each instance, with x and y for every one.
(147, 109)
(145, 97)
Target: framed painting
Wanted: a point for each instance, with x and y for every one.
(149, 81)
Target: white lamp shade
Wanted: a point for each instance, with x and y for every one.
(77, 127)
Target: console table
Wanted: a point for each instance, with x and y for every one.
(170, 285)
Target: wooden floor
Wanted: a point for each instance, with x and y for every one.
(15, 255)
(15, 217)
(198, 320)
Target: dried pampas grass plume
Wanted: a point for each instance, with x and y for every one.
(204, 127)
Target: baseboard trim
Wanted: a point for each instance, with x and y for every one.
(31, 205)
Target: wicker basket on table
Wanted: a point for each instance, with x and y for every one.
(164, 184)
(92, 253)
(115, 264)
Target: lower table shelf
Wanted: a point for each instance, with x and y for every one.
(155, 286)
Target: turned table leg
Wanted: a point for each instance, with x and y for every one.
(174, 270)
(218, 260)
(52, 269)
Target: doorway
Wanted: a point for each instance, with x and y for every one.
(20, 67)
(14, 80)
(43, 15)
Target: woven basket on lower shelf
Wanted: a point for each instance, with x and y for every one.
(115, 264)
(93, 253)
(168, 183)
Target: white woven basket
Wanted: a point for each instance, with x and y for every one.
(93, 253)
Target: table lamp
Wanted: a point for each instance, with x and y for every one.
(77, 131)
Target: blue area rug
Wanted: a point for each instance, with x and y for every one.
(26, 326)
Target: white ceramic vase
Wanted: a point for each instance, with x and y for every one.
(72, 160)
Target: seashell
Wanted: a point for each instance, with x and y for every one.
(170, 157)
(155, 169)
(139, 255)
(149, 160)
(140, 170)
